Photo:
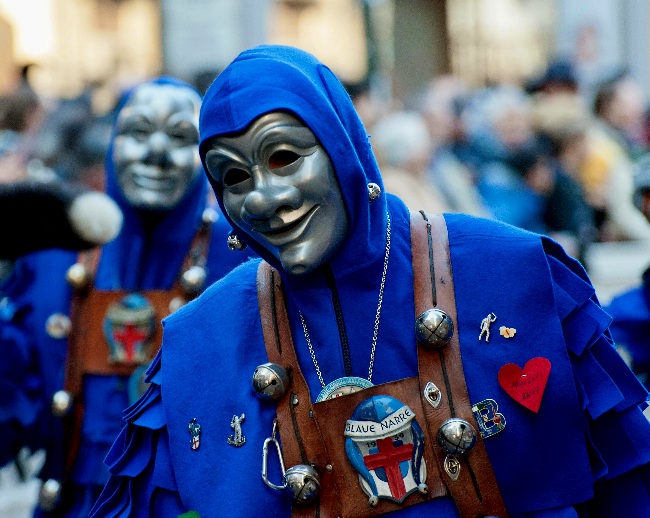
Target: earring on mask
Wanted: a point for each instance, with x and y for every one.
(234, 243)
(373, 191)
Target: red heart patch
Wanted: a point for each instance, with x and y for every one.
(526, 386)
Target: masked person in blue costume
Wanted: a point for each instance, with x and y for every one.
(83, 328)
(327, 380)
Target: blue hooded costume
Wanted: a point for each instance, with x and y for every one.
(631, 326)
(142, 257)
(559, 462)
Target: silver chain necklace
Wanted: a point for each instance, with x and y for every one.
(348, 384)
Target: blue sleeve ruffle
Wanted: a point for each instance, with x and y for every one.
(21, 385)
(617, 432)
(142, 481)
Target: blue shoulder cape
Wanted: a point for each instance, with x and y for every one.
(559, 462)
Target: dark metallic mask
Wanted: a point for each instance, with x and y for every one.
(280, 188)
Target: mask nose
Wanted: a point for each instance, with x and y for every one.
(270, 197)
(158, 149)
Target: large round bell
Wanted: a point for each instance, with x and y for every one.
(78, 276)
(434, 328)
(456, 436)
(193, 279)
(303, 483)
(50, 495)
(209, 216)
(270, 381)
(61, 403)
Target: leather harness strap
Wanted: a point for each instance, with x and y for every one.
(475, 492)
(313, 433)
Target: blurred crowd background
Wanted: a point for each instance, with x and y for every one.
(533, 112)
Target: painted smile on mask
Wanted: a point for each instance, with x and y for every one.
(156, 146)
(280, 188)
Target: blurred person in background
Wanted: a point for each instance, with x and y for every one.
(82, 329)
(499, 126)
(630, 310)
(402, 146)
(561, 122)
(614, 138)
(442, 106)
(21, 115)
(615, 142)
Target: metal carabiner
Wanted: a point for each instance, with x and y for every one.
(265, 455)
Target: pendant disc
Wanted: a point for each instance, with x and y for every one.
(342, 386)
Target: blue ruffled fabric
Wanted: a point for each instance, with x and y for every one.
(617, 431)
(141, 454)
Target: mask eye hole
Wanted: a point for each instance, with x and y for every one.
(234, 176)
(282, 158)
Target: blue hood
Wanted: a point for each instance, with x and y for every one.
(132, 260)
(271, 78)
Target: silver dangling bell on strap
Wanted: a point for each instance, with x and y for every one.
(61, 403)
(234, 243)
(434, 328)
(78, 276)
(193, 279)
(303, 483)
(456, 436)
(270, 381)
(374, 191)
(50, 495)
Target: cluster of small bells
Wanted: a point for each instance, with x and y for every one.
(79, 276)
(433, 329)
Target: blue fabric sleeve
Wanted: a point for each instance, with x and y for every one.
(142, 481)
(617, 432)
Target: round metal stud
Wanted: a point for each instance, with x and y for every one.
(209, 216)
(270, 381)
(374, 191)
(234, 243)
(61, 403)
(49, 495)
(176, 303)
(303, 483)
(78, 276)
(193, 279)
(58, 325)
(434, 328)
(456, 436)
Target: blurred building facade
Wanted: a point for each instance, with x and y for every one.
(400, 44)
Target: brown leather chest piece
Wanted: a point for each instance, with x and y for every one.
(314, 434)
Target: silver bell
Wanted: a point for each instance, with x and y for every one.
(209, 216)
(50, 495)
(434, 328)
(78, 276)
(456, 436)
(61, 403)
(270, 381)
(193, 279)
(303, 483)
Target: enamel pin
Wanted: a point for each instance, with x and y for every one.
(195, 433)
(507, 332)
(489, 421)
(237, 439)
(485, 327)
(384, 443)
(129, 325)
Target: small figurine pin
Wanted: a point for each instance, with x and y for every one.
(485, 326)
(195, 432)
(237, 439)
